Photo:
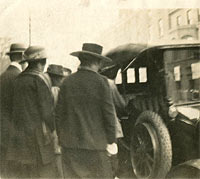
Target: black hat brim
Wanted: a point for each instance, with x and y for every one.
(17, 51)
(32, 60)
(56, 74)
(97, 56)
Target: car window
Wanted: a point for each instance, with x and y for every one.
(118, 79)
(142, 74)
(131, 75)
(177, 73)
(182, 67)
(195, 70)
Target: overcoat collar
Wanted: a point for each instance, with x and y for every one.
(86, 68)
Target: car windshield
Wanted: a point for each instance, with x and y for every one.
(182, 67)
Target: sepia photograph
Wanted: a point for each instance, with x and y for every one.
(99, 89)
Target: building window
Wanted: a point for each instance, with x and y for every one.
(179, 20)
(187, 37)
(189, 17)
(170, 22)
(161, 28)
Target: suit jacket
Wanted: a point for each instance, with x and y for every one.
(32, 105)
(119, 106)
(6, 95)
(118, 100)
(85, 115)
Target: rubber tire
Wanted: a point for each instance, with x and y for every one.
(164, 140)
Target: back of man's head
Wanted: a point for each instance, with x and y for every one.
(56, 79)
(16, 57)
(89, 61)
(37, 64)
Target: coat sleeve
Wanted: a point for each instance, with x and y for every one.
(119, 102)
(108, 111)
(59, 110)
(45, 104)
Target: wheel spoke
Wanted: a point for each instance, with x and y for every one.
(141, 168)
(138, 163)
(137, 150)
(136, 153)
(148, 166)
(140, 160)
(139, 140)
(145, 170)
(149, 149)
(149, 158)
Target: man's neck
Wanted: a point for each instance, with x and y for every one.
(36, 68)
(91, 68)
(17, 65)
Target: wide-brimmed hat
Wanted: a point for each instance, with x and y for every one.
(55, 70)
(16, 48)
(34, 53)
(93, 50)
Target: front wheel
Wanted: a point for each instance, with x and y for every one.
(151, 152)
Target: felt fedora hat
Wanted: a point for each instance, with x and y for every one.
(55, 70)
(93, 50)
(34, 53)
(16, 48)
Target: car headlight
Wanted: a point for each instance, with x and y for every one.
(172, 111)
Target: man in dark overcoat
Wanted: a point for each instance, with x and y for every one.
(6, 94)
(85, 118)
(33, 119)
(55, 74)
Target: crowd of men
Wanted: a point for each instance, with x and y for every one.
(55, 124)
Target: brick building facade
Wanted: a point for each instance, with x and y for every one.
(152, 26)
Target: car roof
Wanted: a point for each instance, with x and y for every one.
(155, 48)
(179, 45)
(142, 49)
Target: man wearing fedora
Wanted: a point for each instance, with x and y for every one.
(85, 118)
(33, 119)
(6, 95)
(56, 75)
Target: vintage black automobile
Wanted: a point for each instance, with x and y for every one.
(161, 85)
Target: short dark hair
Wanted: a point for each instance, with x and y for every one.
(56, 79)
(16, 57)
(88, 60)
(34, 63)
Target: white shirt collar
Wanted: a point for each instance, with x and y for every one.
(17, 65)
